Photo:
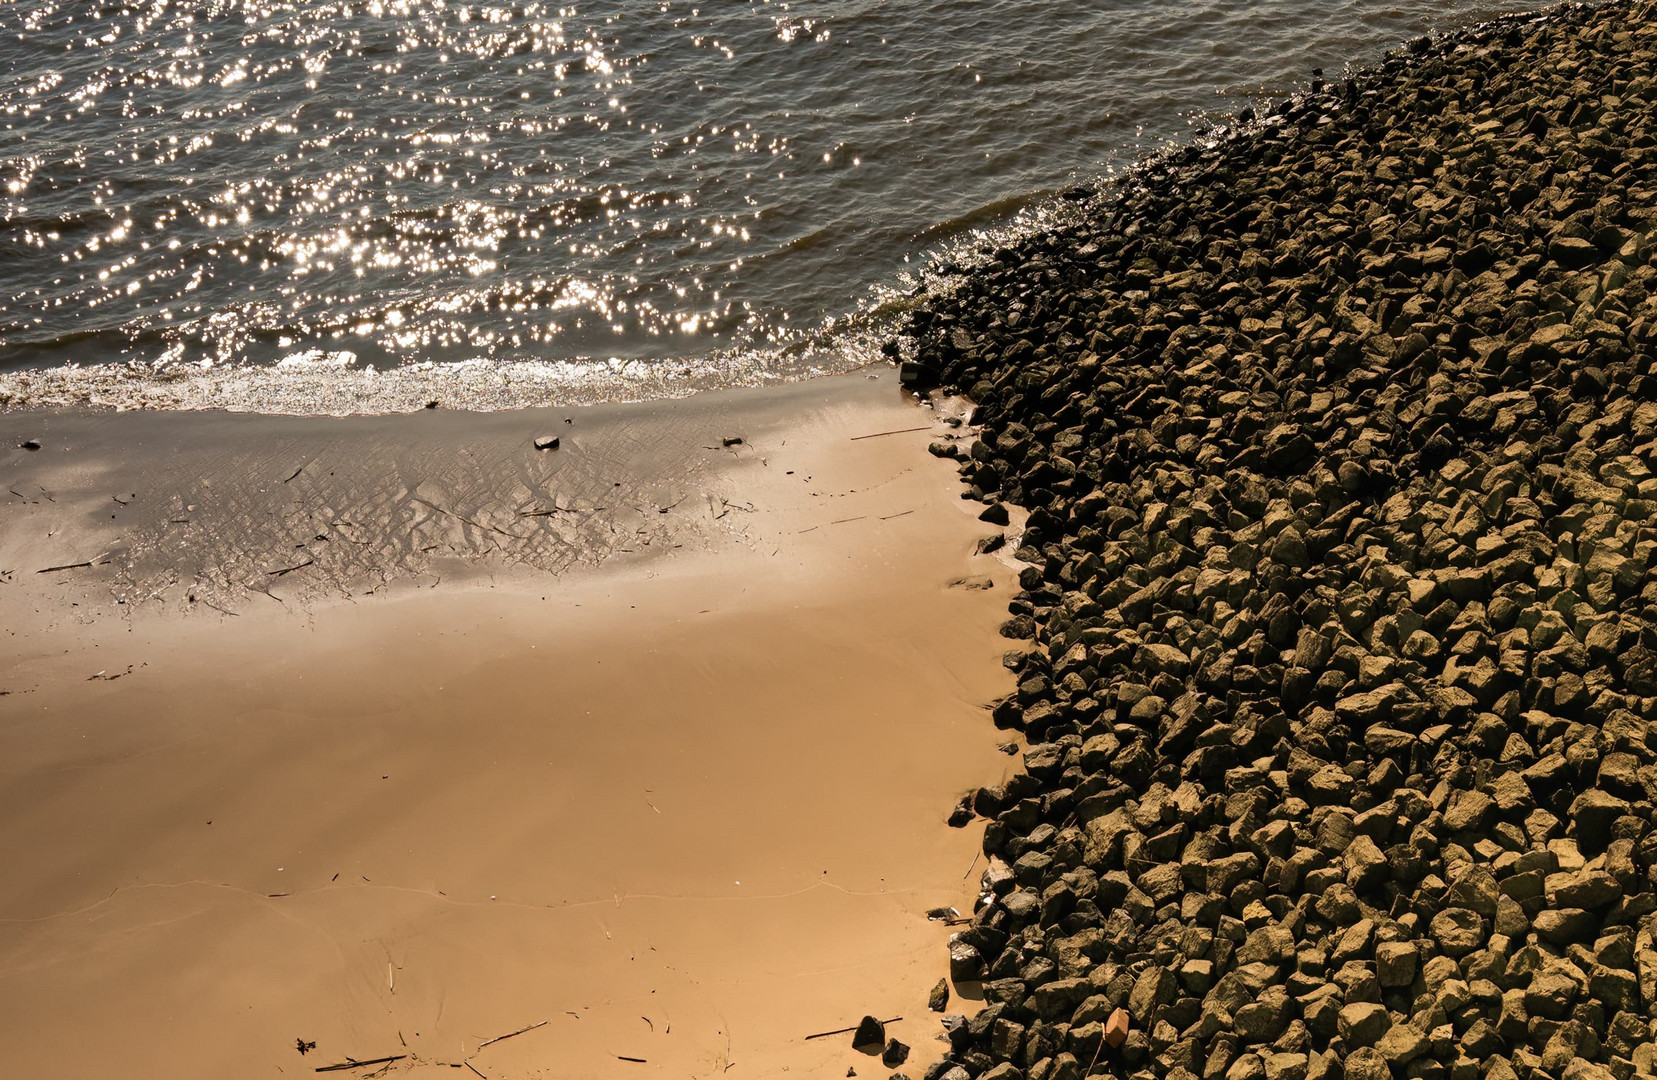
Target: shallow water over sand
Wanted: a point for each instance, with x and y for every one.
(605, 199)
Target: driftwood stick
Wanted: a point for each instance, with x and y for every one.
(899, 431)
(623, 1057)
(65, 566)
(509, 1034)
(348, 1064)
(291, 569)
(469, 1065)
(842, 1031)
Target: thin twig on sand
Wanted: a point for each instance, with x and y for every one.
(899, 431)
(351, 1064)
(509, 1034)
(844, 1030)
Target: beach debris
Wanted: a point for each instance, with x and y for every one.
(290, 569)
(731, 440)
(991, 543)
(431, 404)
(304, 1046)
(870, 1032)
(961, 816)
(938, 1000)
(895, 431)
(895, 1054)
(942, 914)
(976, 582)
(353, 1063)
(295, 473)
(1116, 1028)
(623, 1057)
(474, 1068)
(65, 566)
(511, 1034)
(29, 444)
(854, 1027)
(546, 442)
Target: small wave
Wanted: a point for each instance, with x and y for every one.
(318, 383)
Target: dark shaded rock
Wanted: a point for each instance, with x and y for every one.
(870, 1033)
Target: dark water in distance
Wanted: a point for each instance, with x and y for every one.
(606, 193)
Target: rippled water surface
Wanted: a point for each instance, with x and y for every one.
(601, 199)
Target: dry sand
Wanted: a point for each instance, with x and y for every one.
(683, 801)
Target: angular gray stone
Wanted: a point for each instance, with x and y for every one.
(1565, 926)
(1592, 813)
(1363, 1023)
(1401, 1045)
(1395, 963)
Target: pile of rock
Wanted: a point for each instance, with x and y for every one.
(1336, 443)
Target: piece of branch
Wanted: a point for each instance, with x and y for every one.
(899, 431)
(509, 1034)
(350, 1064)
(65, 566)
(845, 1030)
(622, 1057)
(291, 569)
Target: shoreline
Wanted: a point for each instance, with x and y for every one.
(407, 822)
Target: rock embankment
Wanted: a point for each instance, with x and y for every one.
(1336, 439)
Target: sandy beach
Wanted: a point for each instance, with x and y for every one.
(666, 768)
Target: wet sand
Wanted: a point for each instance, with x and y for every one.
(683, 801)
